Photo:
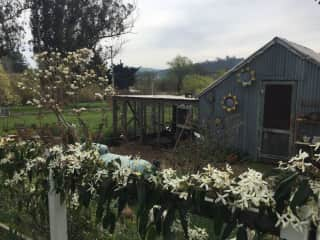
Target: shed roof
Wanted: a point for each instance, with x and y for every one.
(299, 50)
(162, 98)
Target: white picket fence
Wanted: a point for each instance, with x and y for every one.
(58, 222)
(57, 214)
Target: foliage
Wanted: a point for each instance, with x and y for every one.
(211, 68)
(67, 25)
(145, 80)
(124, 77)
(83, 181)
(195, 83)
(14, 62)
(6, 90)
(59, 80)
(11, 30)
(179, 67)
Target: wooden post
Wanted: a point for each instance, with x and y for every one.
(124, 118)
(57, 214)
(162, 112)
(158, 123)
(174, 119)
(135, 119)
(140, 121)
(145, 119)
(291, 234)
(153, 119)
(115, 117)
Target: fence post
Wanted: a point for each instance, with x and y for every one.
(290, 233)
(57, 214)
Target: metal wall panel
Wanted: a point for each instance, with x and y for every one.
(275, 64)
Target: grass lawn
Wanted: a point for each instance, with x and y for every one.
(27, 116)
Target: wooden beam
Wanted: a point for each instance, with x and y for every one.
(115, 116)
(158, 123)
(174, 118)
(145, 119)
(162, 120)
(140, 121)
(124, 118)
(153, 119)
(135, 119)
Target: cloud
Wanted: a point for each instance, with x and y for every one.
(208, 29)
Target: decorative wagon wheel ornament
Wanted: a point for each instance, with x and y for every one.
(230, 103)
(246, 76)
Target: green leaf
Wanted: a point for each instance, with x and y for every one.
(302, 195)
(109, 221)
(183, 215)
(157, 213)
(122, 201)
(258, 236)
(242, 234)
(143, 218)
(284, 189)
(99, 212)
(141, 192)
(167, 223)
(152, 233)
(228, 230)
(218, 220)
(84, 196)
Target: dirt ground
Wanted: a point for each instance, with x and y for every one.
(147, 152)
(169, 159)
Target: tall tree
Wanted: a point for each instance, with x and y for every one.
(14, 62)
(67, 25)
(180, 66)
(11, 28)
(124, 77)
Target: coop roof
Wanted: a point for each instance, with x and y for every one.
(299, 50)
(160, 98)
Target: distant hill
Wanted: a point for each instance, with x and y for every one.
(159, 73)
(208, 68)
(143, 70)
(212, 67)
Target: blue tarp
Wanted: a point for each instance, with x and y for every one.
(136, 165)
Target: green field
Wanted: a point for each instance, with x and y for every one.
(28, 116)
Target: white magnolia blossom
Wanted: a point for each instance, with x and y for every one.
(59, 75)
(79, 110)
(98, 96)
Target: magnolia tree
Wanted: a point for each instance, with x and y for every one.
(58, 80)
(290, 198)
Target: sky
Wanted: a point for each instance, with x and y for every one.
(206, 29)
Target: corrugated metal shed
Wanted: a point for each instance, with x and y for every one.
(278, 63)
